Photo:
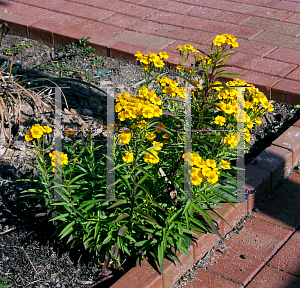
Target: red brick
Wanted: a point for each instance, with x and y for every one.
(274, 278)
(257, 10)
(294, 75)
(89, 2)
(146, 40)
(125, 51)
(256, 48)
(266, 3)
(42, 30)
(84, 11)
(273, 25)
(140, 277)
(47, 4)
(251, 202)
(172, 273)
(120, 20)
(272, 38)
(233, 215)
(262, 236)
(288, 257)
(281, 209)
(170, 6)
(287, 5)
(45, 15)
(206, 279)
(67, 35)
(258, 179)
(286, 91)
(18, 24)
(12, 7)
(290, 140)
(232, 17)
(102, 29)
(101, 44)
(236, 30)
(204, 243)
(297, 124)
(277, 160)
(220, 4)
(259, 64)
(186, 34)
(286, 55)
(78, 23)
(232, 266)
(127, 8)
(176, 19)
(206, 13)
(261, 81)
(145, 26)
(294, 18)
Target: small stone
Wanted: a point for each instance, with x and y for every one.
(87, 112)
(243, 256)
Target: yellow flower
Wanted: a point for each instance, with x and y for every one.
(154, 143)
(28, 137)
(128, 157)
(166, 136)
(151, 136)
(58, 158)
(37, 131)
(48, 129)
(220, 120)
(149, 158)
(225, 164)
(124, 137)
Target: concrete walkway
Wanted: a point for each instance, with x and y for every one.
(266, 253)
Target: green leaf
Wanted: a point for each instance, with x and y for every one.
(120, 217)
(62, 216)
(117, 204)
(67, 230)
(146, 216)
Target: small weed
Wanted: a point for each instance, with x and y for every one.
(89, 76)
(101, 72)
(4, 279)
(18, 47)
(98, 61)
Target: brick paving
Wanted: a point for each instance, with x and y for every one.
(268, 32)
(266, 252)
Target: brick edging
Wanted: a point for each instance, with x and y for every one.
(265, 172)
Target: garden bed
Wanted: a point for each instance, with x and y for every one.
(33, 258)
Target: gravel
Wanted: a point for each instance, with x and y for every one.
(31, 257)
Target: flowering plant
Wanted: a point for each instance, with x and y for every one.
(150, 216)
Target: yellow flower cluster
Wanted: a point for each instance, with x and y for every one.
(255, 101)
(58, 159)
(231, 140)
(149, 158)
(37, 131)
(124, 137)
(205, 59)
(205, 169)
(225, 39)
(187, 48)
(128, 157)
(138, 106)
(148, 59)
(169, 87)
